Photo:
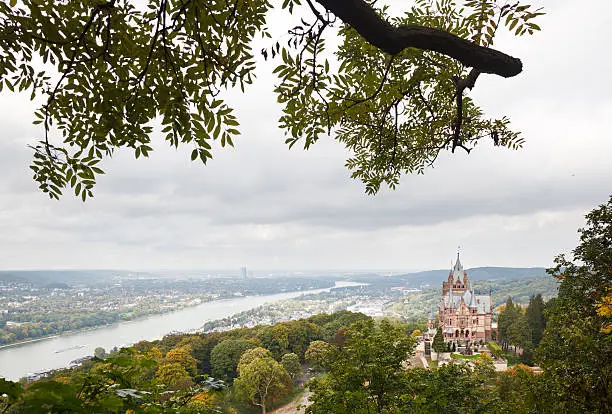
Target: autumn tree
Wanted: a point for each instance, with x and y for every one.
(201, 348)
(317, 353)
(261, 379)
(173, 375)
(577, 345)
(253, 354)
(395, 92)
(182, 356)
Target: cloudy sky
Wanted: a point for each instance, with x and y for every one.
(270, 208)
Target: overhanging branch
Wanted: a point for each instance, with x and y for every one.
(392, 40)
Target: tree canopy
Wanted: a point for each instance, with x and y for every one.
(261, 378)
(576, 347)
(394, 91)
(366, 374)
(225, 356)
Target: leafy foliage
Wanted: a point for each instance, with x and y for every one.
(291, 363)
(262, 379)
(576, 347)
(317, 354)
(522, 391)
(225, 356)
(168, 375)
(120, 68)
(438, 341)
(117, 67)
(182, 356)
(535, 318)
(275, 338)
(394, 113)
(366, 373)
(452, 388)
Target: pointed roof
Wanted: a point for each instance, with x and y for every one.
(432, 316)
(473, 300)
(450, 297)
(458, 264)
(458, 269)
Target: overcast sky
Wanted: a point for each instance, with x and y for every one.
(266, 207)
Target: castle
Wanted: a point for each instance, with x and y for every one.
(463, 315)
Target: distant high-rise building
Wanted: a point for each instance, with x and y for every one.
(243, 272)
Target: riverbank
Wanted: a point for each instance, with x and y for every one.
(40, 355)
(135, 319)
(43, 338)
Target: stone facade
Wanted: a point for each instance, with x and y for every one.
(463, 315)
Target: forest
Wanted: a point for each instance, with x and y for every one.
(354, 364)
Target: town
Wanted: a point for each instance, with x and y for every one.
(32, 309)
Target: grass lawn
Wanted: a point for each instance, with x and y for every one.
(459, 356)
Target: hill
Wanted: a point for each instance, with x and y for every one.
(69, 277)
(435, 277)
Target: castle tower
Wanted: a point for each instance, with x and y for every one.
(458, 270)
(463, 315)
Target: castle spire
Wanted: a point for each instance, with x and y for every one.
(473, 298)
(458, 268)
(450, 298)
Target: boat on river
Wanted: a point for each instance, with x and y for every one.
(69, 348)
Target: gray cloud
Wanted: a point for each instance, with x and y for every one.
(269, 207)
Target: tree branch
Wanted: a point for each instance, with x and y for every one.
(468, 82)
(392, 40)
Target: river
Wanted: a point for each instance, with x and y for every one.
(57, 352)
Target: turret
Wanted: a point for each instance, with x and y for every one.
(473, 299)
